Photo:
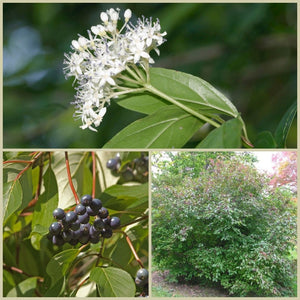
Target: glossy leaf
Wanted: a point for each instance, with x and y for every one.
(48, 201)
(168, 128)
(66, 197)
(12, 196)
(226, 136)
(265, 139)
(190, 90)
(284, 126)
(113, 282)
(60, 263)
(25, 288)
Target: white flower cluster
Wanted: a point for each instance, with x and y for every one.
(97, 61)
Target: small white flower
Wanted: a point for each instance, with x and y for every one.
(127, 15)
(104, 17)
(98, 117)
(97, 61)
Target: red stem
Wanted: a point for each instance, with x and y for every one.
(70, 178)
(132, 248)
(94, 174)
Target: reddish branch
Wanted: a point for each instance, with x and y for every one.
(94, 174)
(70, 178)
(17, 270)
(132, 248)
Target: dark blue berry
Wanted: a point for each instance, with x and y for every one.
(106, 221)
(58, 240)
(94, 239)
(113, 164)
(83, 239)
(84, 219)
(58, 213)
(91, 212)
(75, 225)
(55, 228)
(142, 274)
(73, 242)
(115, 222)
(80, 209)
(86, 200)
(71, 217)
(67, 235)
(103, 213)
(96, 204)
(98, 224)
(85, 228)
(94, 232)
(106, 232)
(77, 234)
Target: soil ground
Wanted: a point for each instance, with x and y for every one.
(183, 290)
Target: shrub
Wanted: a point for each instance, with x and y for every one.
(227, 226)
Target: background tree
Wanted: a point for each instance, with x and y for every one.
(227, 226)
(285, 170)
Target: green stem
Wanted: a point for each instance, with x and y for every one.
(134, 75)
(138, 72)
(153, 90)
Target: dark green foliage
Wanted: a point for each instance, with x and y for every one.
(226, 226)
(56, 264)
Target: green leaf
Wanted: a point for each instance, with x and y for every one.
(226, 136)
(25, 288)
(168, 128)
(57, 289)
(190, 90)
(47, 202)
(284, 126)
(12, 196)
(60, 263)
(113, 282)
(265, 139)
(121, 197)
(104, 175)
(65, 196)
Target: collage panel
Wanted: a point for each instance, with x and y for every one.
(224, 224)
(75, 224)
(149, 75)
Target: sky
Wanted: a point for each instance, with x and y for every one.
(264, 160)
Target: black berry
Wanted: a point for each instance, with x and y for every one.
(115, 222)
(55, 228)
(98, 224)
(96, 204)
(142, 274)
(84, 219)
(107, 232)
(103, 213)
(113, 164)
(58, 240)
(86, 200)
(91, 212)
(58, 213)
(80, 209)
(70, 217)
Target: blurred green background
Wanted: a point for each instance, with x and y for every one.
(247, 51)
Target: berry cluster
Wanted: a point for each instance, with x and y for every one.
(141, 279)
(75, 227)
(135, 170)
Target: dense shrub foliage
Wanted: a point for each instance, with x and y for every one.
(226, 226)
